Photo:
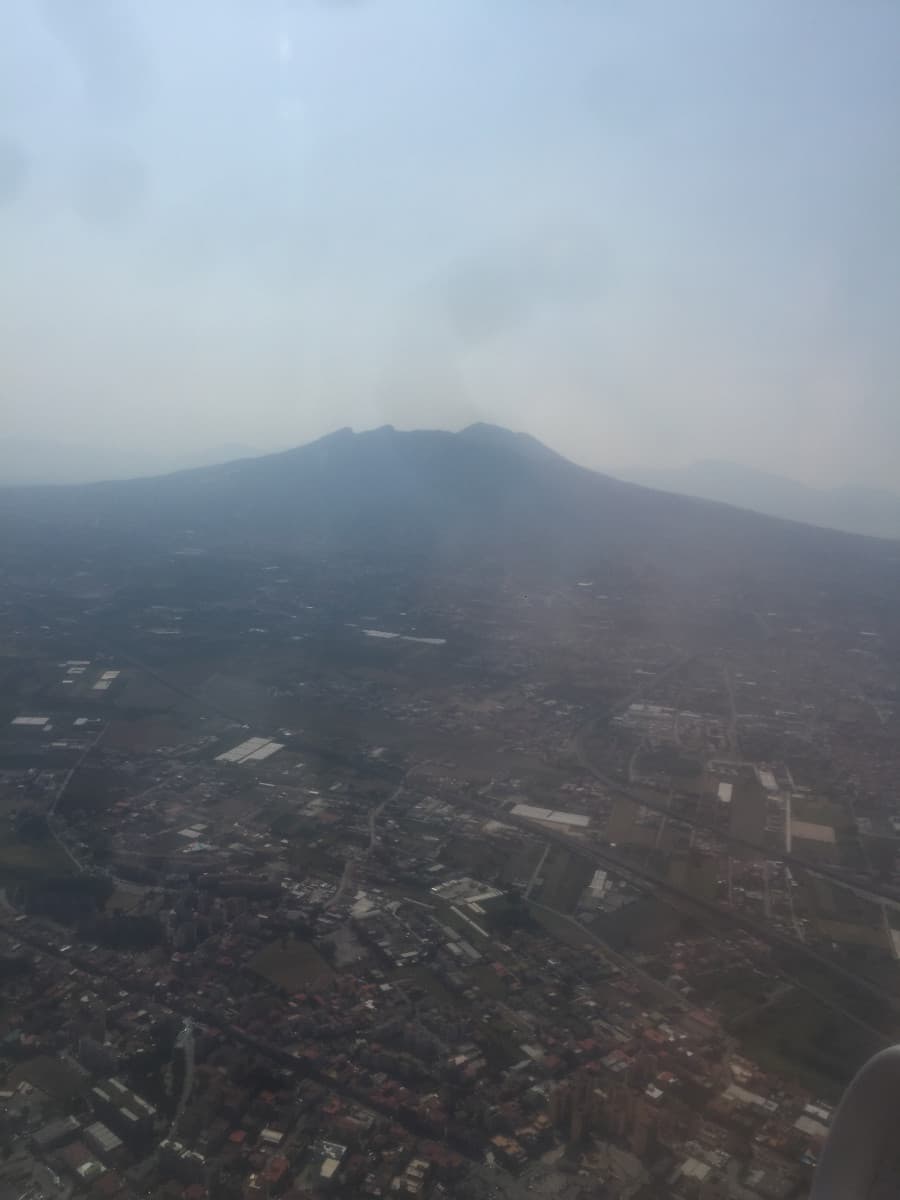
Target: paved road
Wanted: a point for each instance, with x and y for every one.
(625, 964)
(647, 882)
(733, 742)
(350, 864)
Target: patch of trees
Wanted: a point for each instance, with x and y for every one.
(136, 872)
(14, 967)
(32, 827)
(91, 790)
(882, 854)
(258, 889)
(100, 846)
(667, 760)
(125, 932)
(508, 913)
(68, 898)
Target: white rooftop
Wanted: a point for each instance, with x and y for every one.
(552, 815)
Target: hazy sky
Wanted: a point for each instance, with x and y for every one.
(647, 232)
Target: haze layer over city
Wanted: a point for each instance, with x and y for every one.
(449, 597)
(647, 234)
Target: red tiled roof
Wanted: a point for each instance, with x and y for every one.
(108, 1184)
(76, 1155)
(275, 1168)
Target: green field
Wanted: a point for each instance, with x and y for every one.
(561, 927)
(292, 965)
(819, 812)
(422, 977)
(747, 817)
(805, 1041)
(27, 862)
(123, 901)
(565, 878)
(51, 1075)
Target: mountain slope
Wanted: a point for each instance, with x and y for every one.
(851, 509)
(483, 496)
(25, 460)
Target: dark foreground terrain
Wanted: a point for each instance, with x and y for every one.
(418, 811)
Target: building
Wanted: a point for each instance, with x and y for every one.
(551, 817)
(55, 1134)
(104, 1142)
(125, 1112)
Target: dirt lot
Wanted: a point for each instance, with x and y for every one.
(292, 965)
(123, 900)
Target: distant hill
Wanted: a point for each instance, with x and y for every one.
(483, 498)
(852, 509)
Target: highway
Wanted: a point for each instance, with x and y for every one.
(647, 882)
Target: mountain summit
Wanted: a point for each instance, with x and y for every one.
(505, 440)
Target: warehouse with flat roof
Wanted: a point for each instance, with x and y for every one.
(551, 816)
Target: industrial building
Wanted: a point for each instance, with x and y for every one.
(551, 816)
